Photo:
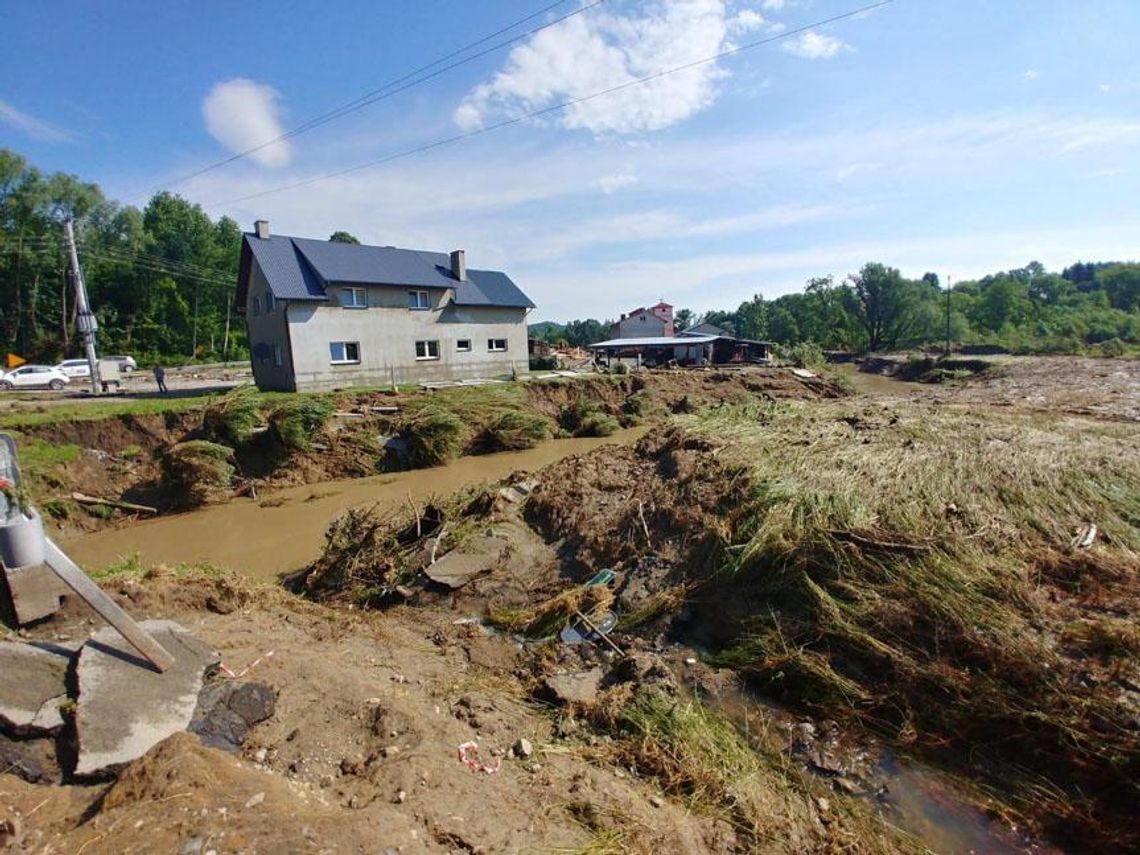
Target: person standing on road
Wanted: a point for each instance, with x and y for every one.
(160, 378)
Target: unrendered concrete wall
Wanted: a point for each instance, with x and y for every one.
(387, 332)
(267, 328)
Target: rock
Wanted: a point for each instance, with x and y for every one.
(125, 707)
(823, 804)
(822, 761)
(580, 688)
(522, 748)
(226, 711)
(34, 685)
(255, 800)
(458, 567)
(261, 755)
(30, 759)
(657, 801)
(390, 751)
(846, 785)
(401, 797)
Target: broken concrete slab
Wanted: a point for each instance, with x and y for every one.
(226, 712)
(125, 706)
(34, 686)
(476, 557)
(578, 688)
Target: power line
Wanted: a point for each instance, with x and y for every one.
(562, 106)
(387, 91)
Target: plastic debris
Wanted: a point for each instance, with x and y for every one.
(469, 757)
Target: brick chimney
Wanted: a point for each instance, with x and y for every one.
(459, 265)
(261, 229)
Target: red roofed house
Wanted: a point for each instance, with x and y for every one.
(654, 322)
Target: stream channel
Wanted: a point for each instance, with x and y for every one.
(268, 541)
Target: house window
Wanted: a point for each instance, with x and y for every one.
(344, 352)
(257, 305)
(496, 345)
(418, 300)
(354, 298)
(277, 360)
(463, 345)
(427, 350)
(270, 303)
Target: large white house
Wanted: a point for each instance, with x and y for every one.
(329, 315)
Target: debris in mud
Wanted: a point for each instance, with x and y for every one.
(580, 689)
(34, 687)
(226, 712)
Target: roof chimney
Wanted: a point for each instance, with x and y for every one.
(459, 265)
(261, 228)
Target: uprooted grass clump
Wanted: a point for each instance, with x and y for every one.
(197, 472)
(552, 615)
(512, 430)
(905, 558)
(232, 418)
(584, 417)
(293, 424)
(433, 435)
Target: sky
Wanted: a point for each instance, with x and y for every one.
(961, 137)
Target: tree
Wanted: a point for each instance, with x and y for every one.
(1121, 283)
(343, 237)
(684, 319)
(886, 304)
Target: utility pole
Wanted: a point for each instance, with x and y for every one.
(84, 321)
(949, 286)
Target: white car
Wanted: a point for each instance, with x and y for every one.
(75, 367)
(34, 377)
(127, 364)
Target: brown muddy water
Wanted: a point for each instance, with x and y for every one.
(265, 542)
(876, 384)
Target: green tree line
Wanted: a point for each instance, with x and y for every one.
(161, 280)
(1087, 307)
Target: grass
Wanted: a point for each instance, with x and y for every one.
(197, 472)
(296, 420)
(232, 418)
(901, 554)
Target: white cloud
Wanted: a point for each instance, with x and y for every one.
(243, 114)
(596, 51)
(812, 45)
(35, 128)
(614, 182)
(1032, 74)
(745, 21)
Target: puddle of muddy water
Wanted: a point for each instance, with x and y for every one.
(910, 796)
(265, 541)
(877, 384)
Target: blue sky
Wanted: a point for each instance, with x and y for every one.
(960, 137)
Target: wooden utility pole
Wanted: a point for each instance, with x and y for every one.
(84, 320)
(949, 286)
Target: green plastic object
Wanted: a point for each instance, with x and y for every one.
(602, 577)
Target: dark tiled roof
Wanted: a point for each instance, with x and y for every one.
(301, 268)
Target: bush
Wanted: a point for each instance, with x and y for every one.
(232, 418)
(1111, 348)
(293, 423)
(433, 436)
(619, 368)
(543, 363)
(514, 430)
(197, 472)
(806, 354)
(584, 418)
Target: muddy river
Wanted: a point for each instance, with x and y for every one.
(266, 541)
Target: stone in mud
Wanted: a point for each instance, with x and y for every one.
(580, 688)
(33, 686)
(125, 706)
(30, 759)
(226, 712)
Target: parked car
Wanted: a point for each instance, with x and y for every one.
(34, 377)
(75, 368)
(127, 364)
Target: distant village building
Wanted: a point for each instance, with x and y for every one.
(704, 344)
(327, 315)
(654, 321)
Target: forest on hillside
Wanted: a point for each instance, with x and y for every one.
(1086, 308)
(161, 281)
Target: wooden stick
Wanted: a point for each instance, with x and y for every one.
(644, 526)
(593, 628)
(416, 513)
(84, 499)
(435, 546)
(74, 577)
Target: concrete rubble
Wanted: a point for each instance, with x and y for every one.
(125, 707)
(35, 684)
